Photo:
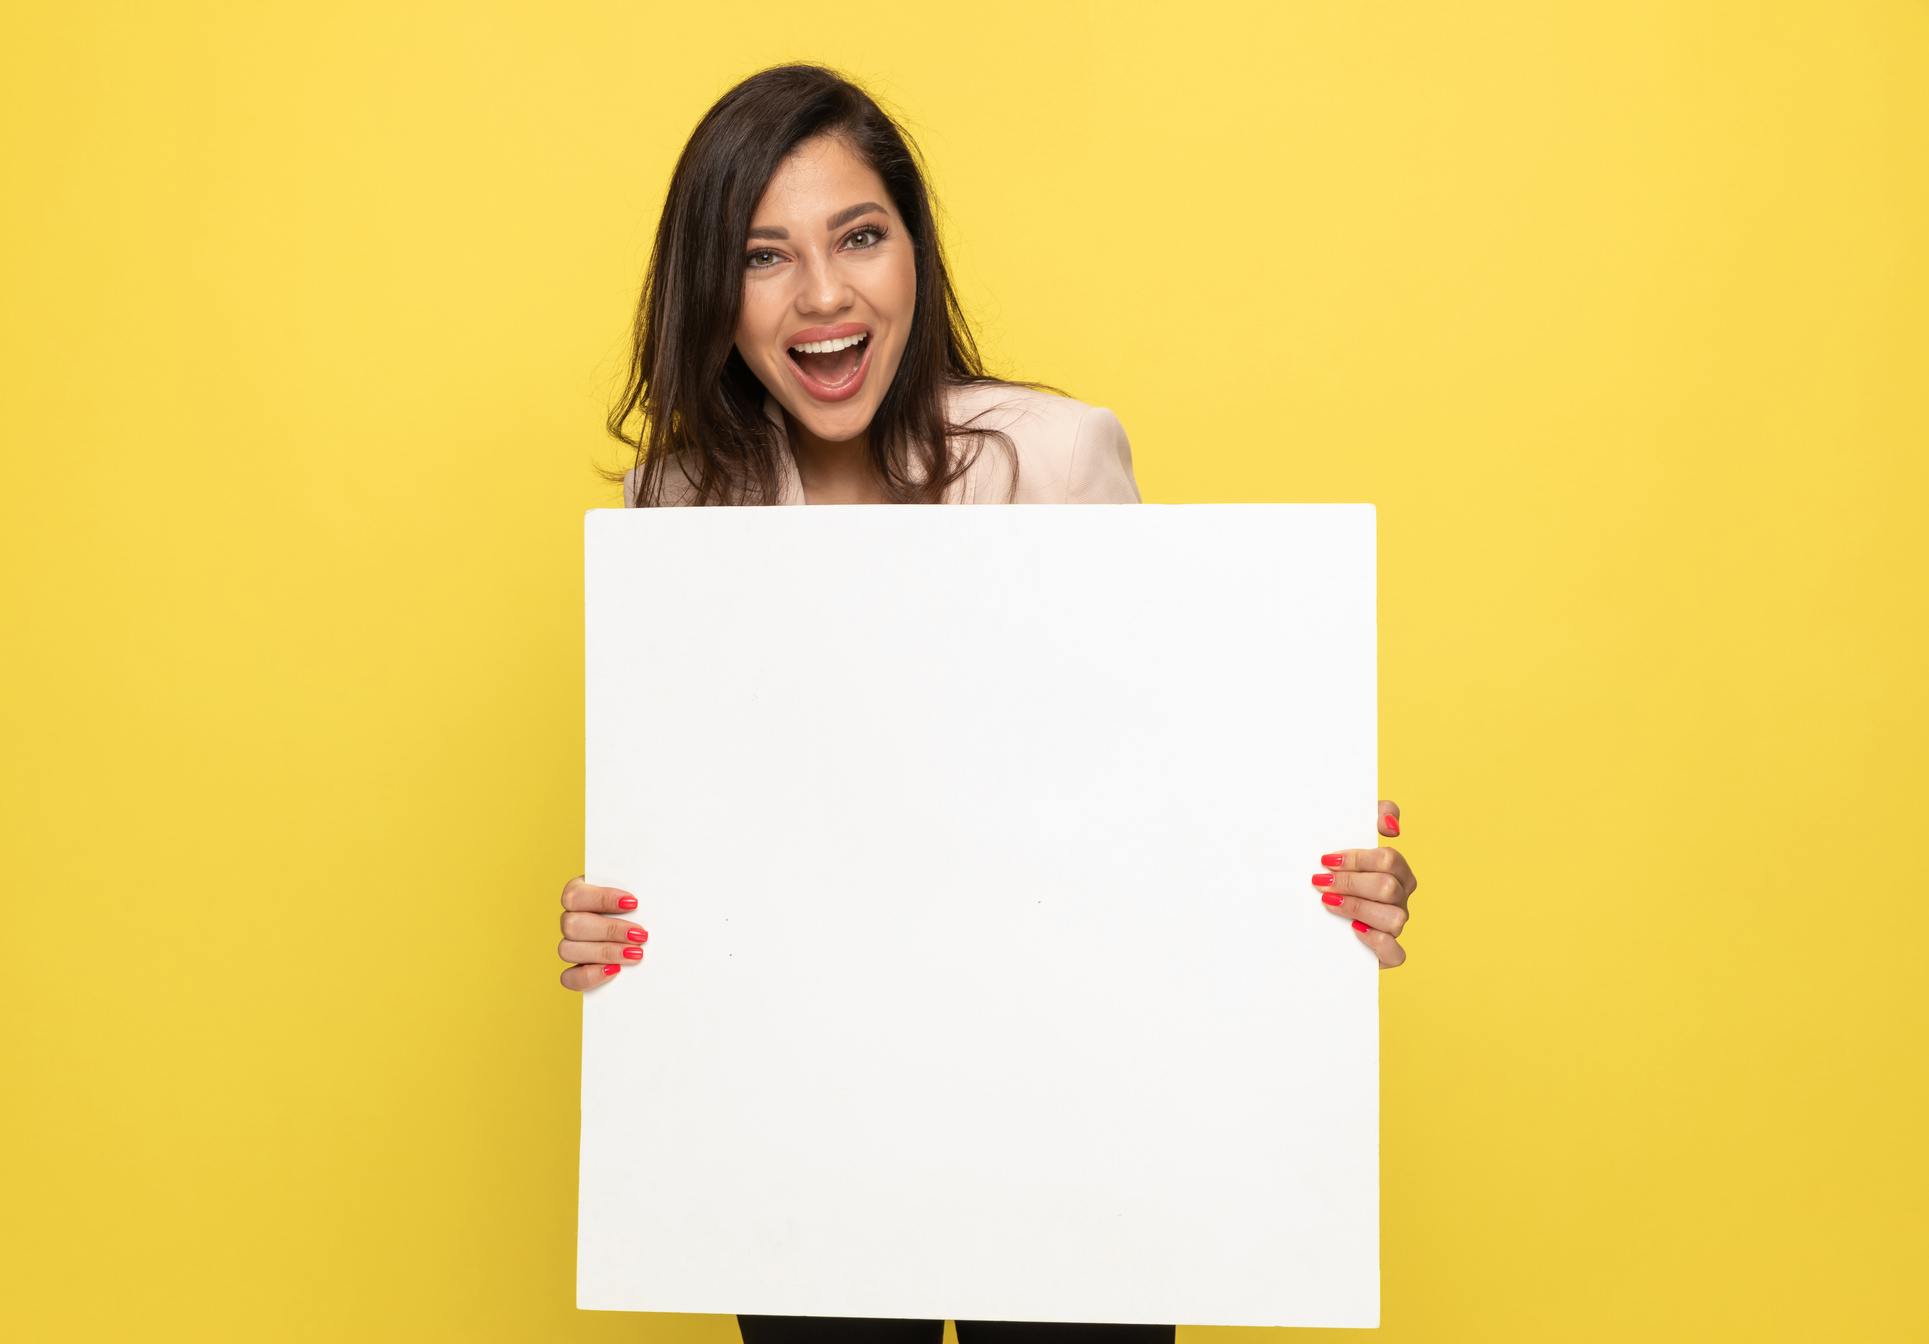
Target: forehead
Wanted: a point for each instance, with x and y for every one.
(815, 181)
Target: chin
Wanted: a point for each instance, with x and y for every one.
(846, 423)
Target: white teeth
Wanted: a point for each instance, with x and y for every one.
(827, 347)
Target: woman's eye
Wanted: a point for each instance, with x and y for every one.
(865, 238)
(761, 259)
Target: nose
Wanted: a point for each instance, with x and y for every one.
(821, 290)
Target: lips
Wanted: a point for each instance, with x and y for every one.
(831, 362)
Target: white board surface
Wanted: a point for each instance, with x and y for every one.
(985, 978)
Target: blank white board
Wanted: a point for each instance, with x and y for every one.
(985, 977)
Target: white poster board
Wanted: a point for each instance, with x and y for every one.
(985, 977)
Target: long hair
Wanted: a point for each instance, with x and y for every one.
(690, 402)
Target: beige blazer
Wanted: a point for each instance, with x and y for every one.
(1067, 452)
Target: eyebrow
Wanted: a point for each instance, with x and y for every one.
(845, 216)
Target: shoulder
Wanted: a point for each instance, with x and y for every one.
(1065, 451)
(675, 490)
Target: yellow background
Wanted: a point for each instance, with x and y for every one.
(1618, 311)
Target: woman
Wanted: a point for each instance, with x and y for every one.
(798, 342)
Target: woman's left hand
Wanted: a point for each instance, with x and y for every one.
(1371, 887)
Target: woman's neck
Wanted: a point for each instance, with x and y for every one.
(833, 472)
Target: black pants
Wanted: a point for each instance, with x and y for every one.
(879, 1330)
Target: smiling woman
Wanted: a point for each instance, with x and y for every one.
(798, 342)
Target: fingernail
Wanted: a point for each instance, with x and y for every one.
(633, 953)
(1331, 899)
(1361, 928)
(1333, 860)
(1322, 879)
(611, 970)
(626, 902)
(1391, 823)
(639, 935)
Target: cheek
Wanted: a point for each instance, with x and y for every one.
(754, 325)
(904, 287)
(894, 294)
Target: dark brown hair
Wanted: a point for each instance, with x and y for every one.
(690, 401)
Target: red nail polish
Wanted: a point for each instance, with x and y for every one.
(633, 953)
(1322, 879)
(1333, 860)
(611, 970)
(626, 902)
(639, 935)
(1331, 899)
(1361, 928)
(1391, 823)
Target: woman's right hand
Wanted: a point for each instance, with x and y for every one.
(598, 945)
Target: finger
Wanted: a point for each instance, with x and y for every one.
(587, 928)
(1389, 919)
(1385, 946)
(1381, 860)
(1389, 818)
(1382, 887)
(580, 978)
(580, 895)
(598, 953)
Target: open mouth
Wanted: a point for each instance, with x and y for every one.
(832, 367)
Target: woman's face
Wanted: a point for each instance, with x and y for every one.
(830, 284)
